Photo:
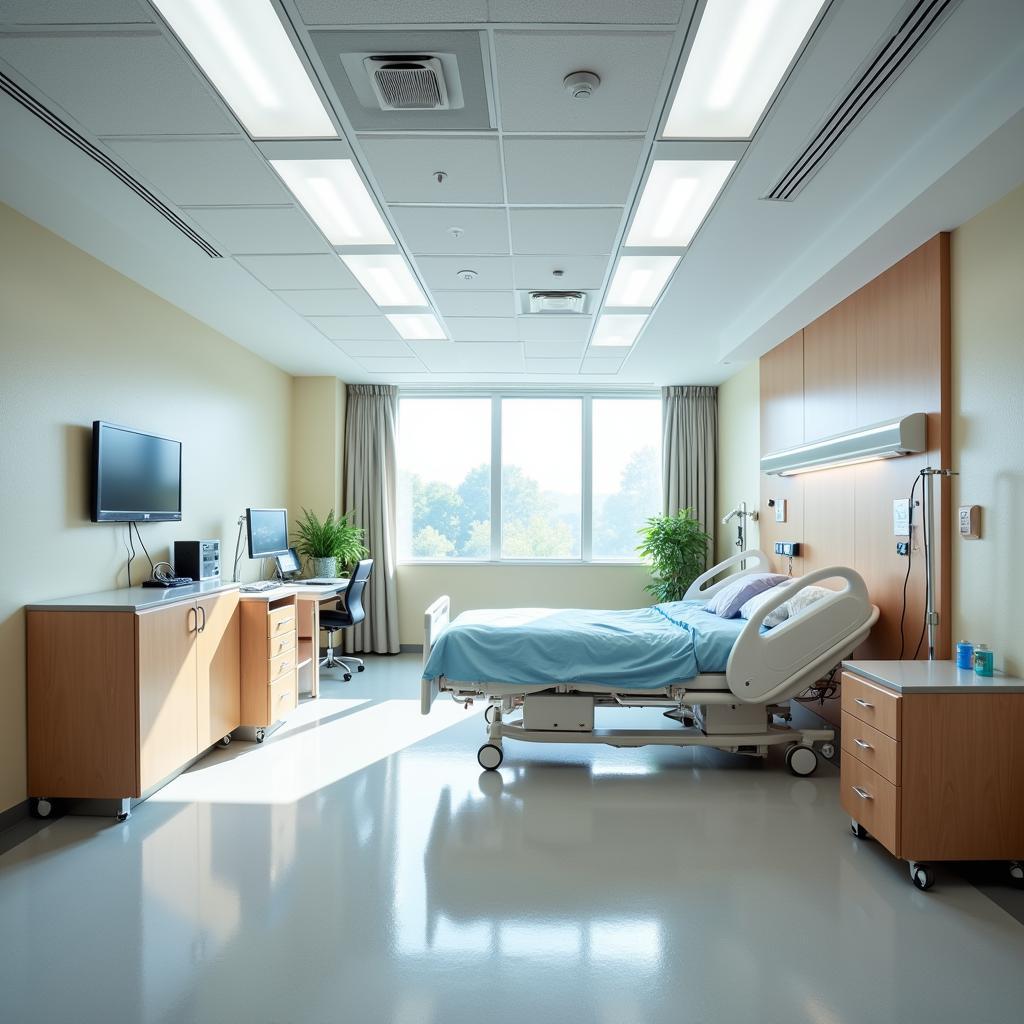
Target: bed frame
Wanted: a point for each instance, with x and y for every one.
(743, 710)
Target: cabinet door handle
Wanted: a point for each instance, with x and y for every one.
(863, 703)
(193, 623)
(862, 793)
(863, 745)
(203, 626)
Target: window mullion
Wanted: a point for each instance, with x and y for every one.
(587, 489)
(495, 478)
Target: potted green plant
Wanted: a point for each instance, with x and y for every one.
(677, 547)
(332, 545)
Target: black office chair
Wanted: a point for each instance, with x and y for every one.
(352, 613)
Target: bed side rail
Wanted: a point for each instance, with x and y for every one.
(697, 590)
(781, 662)
(435, 621)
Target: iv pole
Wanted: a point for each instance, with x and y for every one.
(931, 615)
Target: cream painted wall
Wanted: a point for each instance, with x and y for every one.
(515, 586)
(739, 447)
(987, 298)
(318, 452)
(80, 342)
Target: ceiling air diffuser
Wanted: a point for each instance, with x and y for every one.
(407, 82)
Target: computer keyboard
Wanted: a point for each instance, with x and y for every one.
(258, 588)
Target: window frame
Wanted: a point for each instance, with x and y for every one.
(496, 395)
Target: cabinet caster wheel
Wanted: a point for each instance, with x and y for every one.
(225, 741)
(347, 677)
(489, 713)
(858, 830)
(490, 757)
(801, 760)
(922, 876)
(828, 751)
(122, 816)
(1017, 872)
(260, 735)
(42, 808)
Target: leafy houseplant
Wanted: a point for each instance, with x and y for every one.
(677, 547)
(332, 544)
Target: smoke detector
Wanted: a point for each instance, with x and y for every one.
(581, 85)
(556, 302)
(407, 81)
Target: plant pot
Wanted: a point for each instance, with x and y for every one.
(324, 567)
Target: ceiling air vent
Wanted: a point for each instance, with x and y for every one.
(902, 42)
(407, 82)
(556, 302)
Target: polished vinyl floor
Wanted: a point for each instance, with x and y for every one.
(358, 867)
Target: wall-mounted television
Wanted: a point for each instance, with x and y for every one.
(136, 477)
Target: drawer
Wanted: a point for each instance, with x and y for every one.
(871, 747)
(871, 704)
(872, 801)
(282, 697)
(281, 620)
(282, 664)
(279, 644)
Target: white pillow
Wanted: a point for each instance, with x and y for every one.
(799, 602)
(773, 618)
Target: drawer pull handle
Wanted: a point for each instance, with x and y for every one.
(863, 703)
(862, 793)
(863, 745)
(283, 623)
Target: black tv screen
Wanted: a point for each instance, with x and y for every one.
(135, 476)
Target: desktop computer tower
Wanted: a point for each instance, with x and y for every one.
(199, 559)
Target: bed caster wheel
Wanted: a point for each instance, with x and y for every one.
(858, 830)
(224, 741)
(260, 735)
(1017, 872)
(347, 677)
(490, 757)
(921, 875)
(42, 808)
(801, 760)
(489, 713)
(360, 668)
(828, 751)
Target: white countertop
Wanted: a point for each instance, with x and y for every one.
(932, 677)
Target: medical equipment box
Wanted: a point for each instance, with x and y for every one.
(566, 713)
(729, 719)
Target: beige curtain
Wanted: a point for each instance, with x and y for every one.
(689, 452)
(371, 478)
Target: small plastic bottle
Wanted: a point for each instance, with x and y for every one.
(984, 661)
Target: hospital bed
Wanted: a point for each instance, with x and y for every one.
(727, 681)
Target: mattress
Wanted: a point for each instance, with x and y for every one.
(640, 648)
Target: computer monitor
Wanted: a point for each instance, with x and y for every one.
(288, 563)
(267, 531)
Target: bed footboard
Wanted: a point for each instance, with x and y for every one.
(435, 621)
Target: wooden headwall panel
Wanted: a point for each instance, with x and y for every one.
(882, 352)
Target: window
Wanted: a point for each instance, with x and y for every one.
(526, 478)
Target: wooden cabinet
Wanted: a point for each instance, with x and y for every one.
(269, 659)
(217, 671)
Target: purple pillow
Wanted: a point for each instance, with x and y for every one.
(730, 599)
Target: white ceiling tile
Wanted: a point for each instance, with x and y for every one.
(483, 230)
(72, 12)
(555, 349)
(554, 328)
(595, 365)
(390, 12)
(329, 301)
(578, 272)
(571, 172)
(354, 328)
(259, 229)
(594, 12)
(203, 172)
(375, 349)
(405, 168)
(403, 364)
(133, 84)
(532, 65)
(552, 365)
(305, 271)
(551, 230)
(475, 303)
(494, 273)
(469, 357)
(482, 328)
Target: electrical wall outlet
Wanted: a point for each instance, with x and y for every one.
(788, 548)
(903, 547)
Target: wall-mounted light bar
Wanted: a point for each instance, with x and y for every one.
(675, 199)
(417, 326)
(244, 50)
(739, 55)
(387, 279)
(617, 330)
(334, 195)
(639, 280)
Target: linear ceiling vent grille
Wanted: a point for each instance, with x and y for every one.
(556, 302)
(407, 82)
(902, 42)
(48, 117)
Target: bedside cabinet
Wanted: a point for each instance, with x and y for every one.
(269, 659)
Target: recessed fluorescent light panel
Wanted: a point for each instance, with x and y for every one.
(639, 280)
(675, 199)
(387, 280)
(738, 58)
(244, 50)
(617, 330)
(335, 197)
(417, 326)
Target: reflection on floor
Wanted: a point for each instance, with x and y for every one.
(358, 867)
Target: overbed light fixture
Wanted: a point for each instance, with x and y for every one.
(639, 280)
(675, 199)
(387, 279)
(244, 50)
(417, 326)
(617, 330)
(885, 440)
(740, 53)
(334, 195)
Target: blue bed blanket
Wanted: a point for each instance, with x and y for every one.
(636, 649)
